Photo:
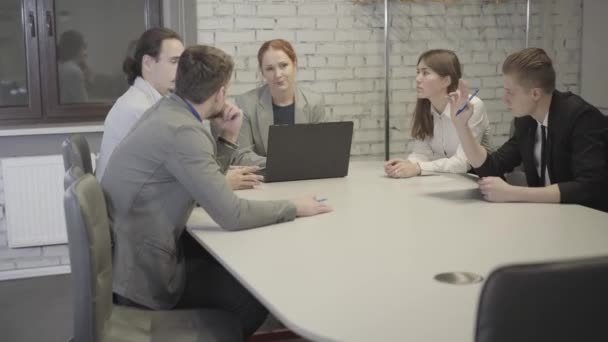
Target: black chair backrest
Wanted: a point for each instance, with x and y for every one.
(562, 301)
(76, 151)
(90, 257)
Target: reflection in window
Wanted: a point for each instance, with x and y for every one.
(13, 72)
(72, 69)
(90, 52)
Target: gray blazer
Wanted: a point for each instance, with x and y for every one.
(258, 117)
(166, 163)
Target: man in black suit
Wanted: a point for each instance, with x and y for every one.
(560, 139)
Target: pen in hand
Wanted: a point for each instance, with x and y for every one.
(461, 109)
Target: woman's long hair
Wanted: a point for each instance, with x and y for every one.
(444, 63)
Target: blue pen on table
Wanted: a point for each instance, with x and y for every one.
(461, 109)
(320, 199)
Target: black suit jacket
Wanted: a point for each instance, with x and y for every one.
(577, 139)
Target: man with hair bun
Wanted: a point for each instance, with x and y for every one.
(150, 71)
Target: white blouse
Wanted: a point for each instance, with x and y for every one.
(442, 152)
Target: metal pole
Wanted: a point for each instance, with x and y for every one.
(528, 24)
(387, 152)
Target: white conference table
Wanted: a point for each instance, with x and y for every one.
(365, 272)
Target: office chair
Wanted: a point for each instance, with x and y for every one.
(72, 175)
(76, 151)
(560, 301)
(96, 319)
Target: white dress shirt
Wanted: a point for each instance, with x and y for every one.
(537, 148)
(442, 152)
(122, 117)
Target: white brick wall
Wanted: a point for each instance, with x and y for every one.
(318, 8)
(340, 49)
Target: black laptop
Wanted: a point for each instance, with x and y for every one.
(308, 151)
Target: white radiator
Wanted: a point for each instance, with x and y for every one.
(33, 196)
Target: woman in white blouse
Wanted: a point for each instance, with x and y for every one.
(436, 147)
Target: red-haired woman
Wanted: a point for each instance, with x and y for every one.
(280, 101)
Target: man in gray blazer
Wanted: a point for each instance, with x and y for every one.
(168, 161)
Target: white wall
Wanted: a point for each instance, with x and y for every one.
(594, 74)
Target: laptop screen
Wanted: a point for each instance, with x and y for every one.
(308, 151)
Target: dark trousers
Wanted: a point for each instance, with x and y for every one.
(210, 285)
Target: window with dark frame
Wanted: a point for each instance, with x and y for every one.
(61, 60)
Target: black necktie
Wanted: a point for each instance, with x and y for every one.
(543, 154)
